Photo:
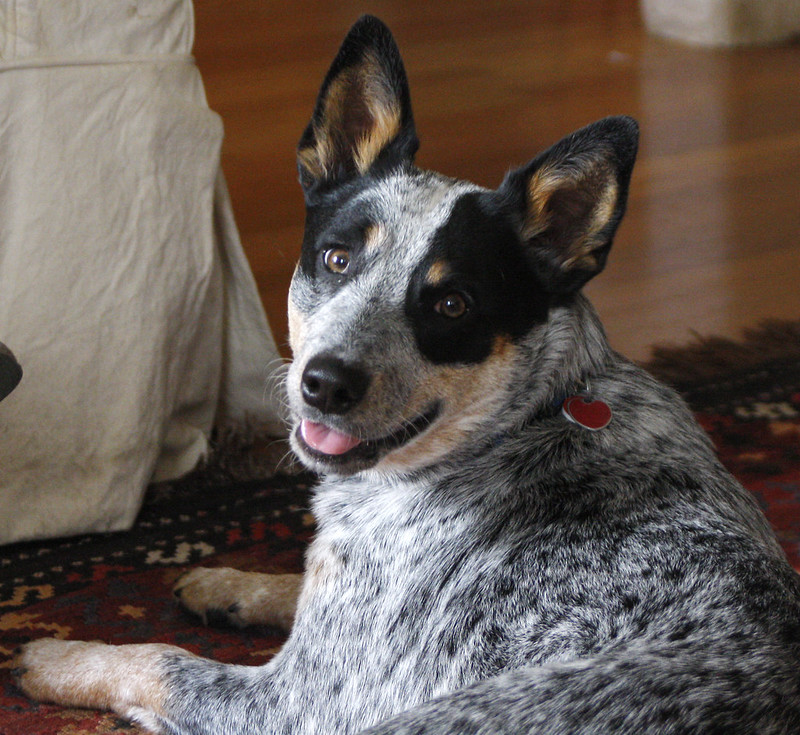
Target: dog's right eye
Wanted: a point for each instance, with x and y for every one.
(336, 260)
(452, 306)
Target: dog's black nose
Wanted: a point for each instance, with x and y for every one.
(333, 386)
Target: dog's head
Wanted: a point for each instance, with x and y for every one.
(414, 291)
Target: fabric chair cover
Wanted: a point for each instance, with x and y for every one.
(124, 291)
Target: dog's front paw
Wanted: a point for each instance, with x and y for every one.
(126, 679)
(229, 597)
(52, 670)
(211, 594)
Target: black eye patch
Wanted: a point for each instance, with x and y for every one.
(333, 244)
(477, 255)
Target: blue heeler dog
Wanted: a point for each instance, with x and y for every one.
(519, 531)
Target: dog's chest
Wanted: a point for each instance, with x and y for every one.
(398, 606)
(407, 598)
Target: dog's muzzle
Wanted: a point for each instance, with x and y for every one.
(334, 388)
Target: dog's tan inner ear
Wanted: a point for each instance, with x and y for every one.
(360, 117)
(569, 206)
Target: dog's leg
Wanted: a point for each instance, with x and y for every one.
(240, 599)
(125, 679)
(737, 689)
(165, 689)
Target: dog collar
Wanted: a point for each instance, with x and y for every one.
(580, 408)
(585, 410)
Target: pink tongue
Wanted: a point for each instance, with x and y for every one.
(325, 439)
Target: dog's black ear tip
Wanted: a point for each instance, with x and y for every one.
(627, 122)
(629, 126)
(630, 134)
(369, 27)
(368, 32)
(622, 131)
(622, 127)
(367, 20)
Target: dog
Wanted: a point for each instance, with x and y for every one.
(518, 530)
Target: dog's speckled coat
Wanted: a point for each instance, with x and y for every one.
(482, 564)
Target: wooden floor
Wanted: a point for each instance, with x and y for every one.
(711, 241)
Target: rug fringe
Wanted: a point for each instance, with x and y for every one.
(708, 357)
(238, 453)
(245, 452)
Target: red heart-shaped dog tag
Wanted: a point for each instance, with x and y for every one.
(590, 414)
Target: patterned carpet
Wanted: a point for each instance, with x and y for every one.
(116, 587)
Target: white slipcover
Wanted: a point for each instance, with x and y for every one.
(124, 290)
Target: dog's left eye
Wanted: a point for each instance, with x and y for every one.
(453, 306)
(336, 260)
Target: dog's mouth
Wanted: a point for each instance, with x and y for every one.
(336, 448)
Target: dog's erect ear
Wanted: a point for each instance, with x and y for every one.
(362, 118)
(571, 199)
